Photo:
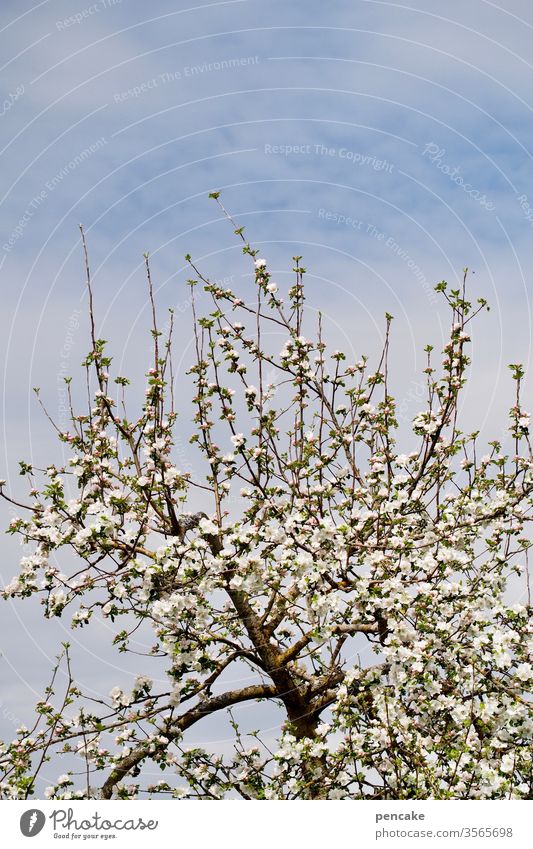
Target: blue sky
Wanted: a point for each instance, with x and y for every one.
(391, 145)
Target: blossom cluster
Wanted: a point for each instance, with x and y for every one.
(363, 590)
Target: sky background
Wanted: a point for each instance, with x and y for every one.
(390, 144)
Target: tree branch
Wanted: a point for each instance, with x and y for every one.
(204, 708)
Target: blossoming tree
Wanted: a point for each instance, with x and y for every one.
(361, 590)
